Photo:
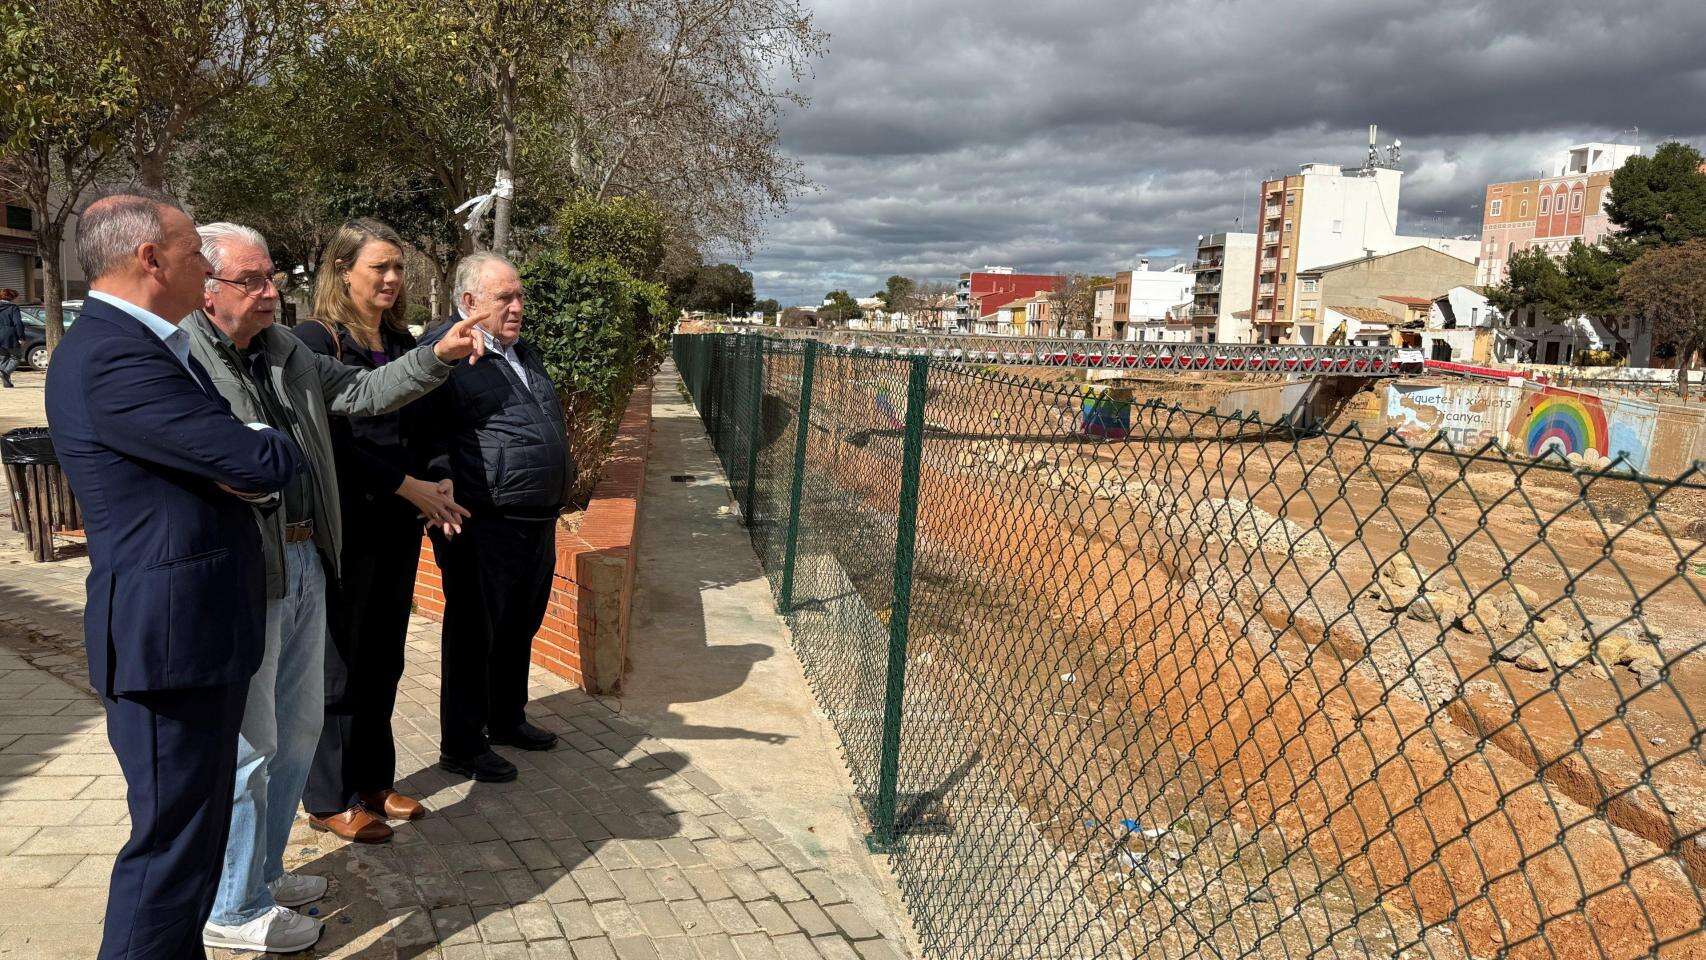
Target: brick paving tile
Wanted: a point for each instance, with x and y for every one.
(824, 890)
(771, 915)
(577, 920)
(732, 916)
(635, 948)
(658, 919)
(756, 946)
(598, 949)
(852, 922)
(716, 947)
(834, 948)
(676, 948)
(811, 918)
(796, 946)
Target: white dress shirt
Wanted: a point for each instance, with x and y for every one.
(176, 339)
(508, 352)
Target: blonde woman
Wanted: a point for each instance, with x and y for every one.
(359, 309)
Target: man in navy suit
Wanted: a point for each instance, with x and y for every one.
(166, 478)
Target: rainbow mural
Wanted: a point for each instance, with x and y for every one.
(1562, 422)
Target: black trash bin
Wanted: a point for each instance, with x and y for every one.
(42, 502)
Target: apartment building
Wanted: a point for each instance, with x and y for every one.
(1146, 304)
(20, 261)
(982, 292)
(1325, 214)
(1225, 277)
(1564, 204)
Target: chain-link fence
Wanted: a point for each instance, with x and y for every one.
(1123, 679)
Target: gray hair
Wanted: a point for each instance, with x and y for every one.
(115, 223)
(216, 239)
(471, 269)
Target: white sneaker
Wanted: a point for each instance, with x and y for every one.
(277, 931)
(296, 889)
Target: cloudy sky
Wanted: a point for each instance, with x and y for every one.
(1047, 135)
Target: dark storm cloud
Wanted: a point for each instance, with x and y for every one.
(1080, 134)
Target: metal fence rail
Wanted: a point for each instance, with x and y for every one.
(1130, 680)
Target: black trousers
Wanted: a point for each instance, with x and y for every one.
(178, 751)
(369, 623)
(497, 581)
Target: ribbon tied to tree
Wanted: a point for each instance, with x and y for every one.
(504, 187)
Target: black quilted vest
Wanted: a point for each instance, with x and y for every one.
(507, 443)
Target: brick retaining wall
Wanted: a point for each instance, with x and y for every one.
(584, 638)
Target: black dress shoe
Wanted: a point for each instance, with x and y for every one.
(527, 737)
(488, 767)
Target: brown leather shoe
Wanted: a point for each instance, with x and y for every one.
(357, 824)
(393, 805)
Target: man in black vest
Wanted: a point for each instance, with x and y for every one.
(504, 444)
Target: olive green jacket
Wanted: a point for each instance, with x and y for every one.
(312, 386)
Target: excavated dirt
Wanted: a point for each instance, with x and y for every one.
(1305, 670)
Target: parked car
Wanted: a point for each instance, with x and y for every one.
(33, 349)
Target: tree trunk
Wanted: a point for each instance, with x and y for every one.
(49, 238)
(151, 170)
(506, 166)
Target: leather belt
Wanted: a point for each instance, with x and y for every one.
(298, 532)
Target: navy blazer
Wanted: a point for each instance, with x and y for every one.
(176, 589)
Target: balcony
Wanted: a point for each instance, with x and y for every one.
(1205, 310)
(1266, 289)
(1273, 211)
(1211, 264)
(1270, 263)
(1272, 236)
(1203, 288)
(1265, 316)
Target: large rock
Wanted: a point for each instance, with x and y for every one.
(1398, 584)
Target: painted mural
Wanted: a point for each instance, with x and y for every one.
(1467, 414)
(1582, 428)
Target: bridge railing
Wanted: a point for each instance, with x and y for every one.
(1137, 356)
(1133, 680)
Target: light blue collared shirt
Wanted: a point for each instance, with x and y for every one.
(176, 339)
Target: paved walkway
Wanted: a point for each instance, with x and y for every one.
(639, 837)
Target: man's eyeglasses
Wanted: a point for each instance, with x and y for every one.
(253, 286)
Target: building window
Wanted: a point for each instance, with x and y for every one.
(1545, 205)
(1497, 208)
(1338, 226)
(1282, 278)
(1290, 199)
(1523, 211)
(1288, 225)
(1310, 286)
(1576, 203)
(18, 218)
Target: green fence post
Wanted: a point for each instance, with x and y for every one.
(786, 602)
(900, 610)
(755, 430)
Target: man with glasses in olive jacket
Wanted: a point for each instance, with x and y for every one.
(269, 376)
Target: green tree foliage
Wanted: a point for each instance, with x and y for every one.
(838, 308)
(628, 230)
(768, 307)
(1666, 287)
(1657, 200)
(64, 106)
(599, 332)
(722, 288)
(897, 292)
(1532, 279)
(187, 57)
